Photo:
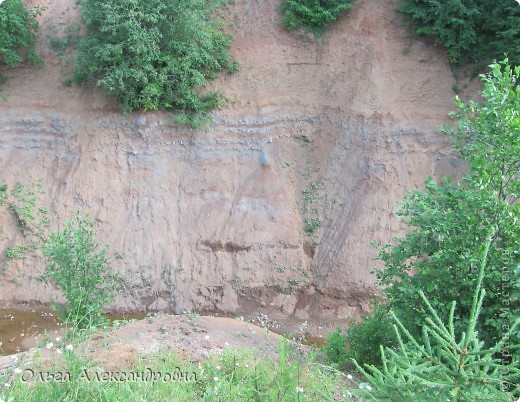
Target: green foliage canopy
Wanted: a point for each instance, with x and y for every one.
(154, 54)
(314, 15)
(18, 33)
(449, 221)
(470, 30)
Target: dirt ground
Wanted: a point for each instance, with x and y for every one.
(212, 221)
(194, 338)
(191, 337)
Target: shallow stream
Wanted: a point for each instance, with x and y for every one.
(22, 329)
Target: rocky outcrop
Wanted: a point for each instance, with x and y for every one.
(216, 219)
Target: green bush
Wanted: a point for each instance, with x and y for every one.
(80, 270)
(470, 30)
(364, 339)
(448, 222)
(313, 15)
(335, 349)
(154, 54)
(18, 33)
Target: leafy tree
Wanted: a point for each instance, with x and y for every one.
(154, 54)
(314, 15)
(18, 33)
(470, 30)
(80, 270)
(449, 222)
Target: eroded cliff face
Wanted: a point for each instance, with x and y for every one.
(215, 219)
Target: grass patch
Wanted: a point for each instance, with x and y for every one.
(163, 376)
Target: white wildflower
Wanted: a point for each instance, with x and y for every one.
(215, 378)
(69, 348)
(58, 339)
(299, 390)
(49, 345)
(349, 377)
(218, 367)
(58, 351)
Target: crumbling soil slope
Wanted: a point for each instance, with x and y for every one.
(213, 220)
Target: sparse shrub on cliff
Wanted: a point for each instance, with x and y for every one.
(18, 33)
(470, 30)
(32, 219)
(313, 15)
(155, 54)
(79, 267)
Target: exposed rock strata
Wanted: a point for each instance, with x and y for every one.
(213, 220)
